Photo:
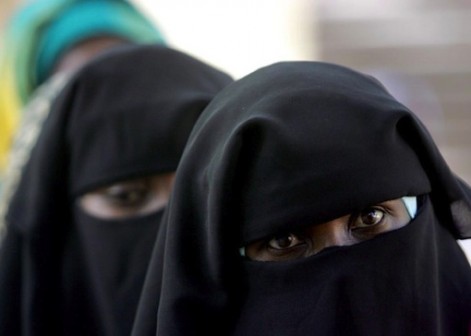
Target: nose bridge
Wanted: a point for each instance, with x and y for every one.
(332, 233)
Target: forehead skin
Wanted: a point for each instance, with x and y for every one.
(85, 51)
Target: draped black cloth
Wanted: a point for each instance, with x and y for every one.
(296, 144)
(128, 114)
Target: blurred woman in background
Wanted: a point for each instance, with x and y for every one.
(83, 221)
(45, 41)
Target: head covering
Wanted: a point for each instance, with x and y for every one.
(125, 115)
(41, 31)
(296, 144)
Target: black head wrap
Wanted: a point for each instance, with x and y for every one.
(295, 144)
(128, 114)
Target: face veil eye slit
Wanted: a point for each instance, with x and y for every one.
(344, 231)
(129, 198)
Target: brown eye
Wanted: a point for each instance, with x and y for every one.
(128, 198)
(284, 242)
(368, 218)
(127, 194)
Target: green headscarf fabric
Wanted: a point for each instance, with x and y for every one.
(41, 31)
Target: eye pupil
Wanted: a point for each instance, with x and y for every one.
(132, 196)
(371, 217)
(127, 195)
(285, 241)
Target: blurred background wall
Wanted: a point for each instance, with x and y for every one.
(238, 35)
(420, 49)
(6, 6)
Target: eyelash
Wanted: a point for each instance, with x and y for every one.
(383, 212)
(296, 236)
(127, 195)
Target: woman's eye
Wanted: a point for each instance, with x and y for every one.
(368, 218)
(127, 195)
(285, 242)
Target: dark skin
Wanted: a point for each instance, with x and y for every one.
(85, 51)
(343, 231)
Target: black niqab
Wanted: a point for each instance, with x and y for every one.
(291, 145)
(128, 114)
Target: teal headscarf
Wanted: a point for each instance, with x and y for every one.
(41, 31)
(88, 18)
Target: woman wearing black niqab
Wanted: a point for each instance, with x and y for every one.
(83, 221)
(277, 160)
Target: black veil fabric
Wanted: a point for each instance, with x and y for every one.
(295, 144)
(127, 114)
